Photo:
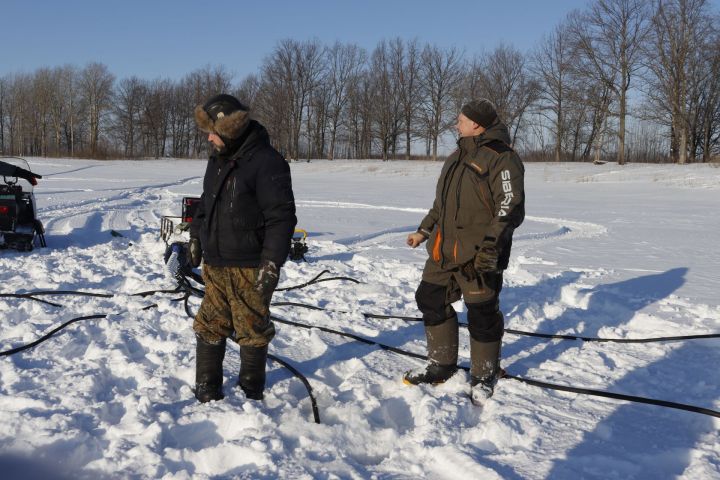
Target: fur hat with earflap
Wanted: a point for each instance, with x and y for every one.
(223, 115)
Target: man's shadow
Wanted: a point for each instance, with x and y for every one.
(647, 441)
(642, 441)
(611, 305)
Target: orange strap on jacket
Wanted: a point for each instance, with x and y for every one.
(436, 247)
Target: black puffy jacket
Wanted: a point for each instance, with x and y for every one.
(247, 209)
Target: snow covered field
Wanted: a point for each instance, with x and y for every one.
(623, 252)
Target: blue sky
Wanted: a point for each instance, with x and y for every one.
(158, 38)
(153, 39)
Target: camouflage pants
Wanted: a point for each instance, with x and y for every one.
(232, 308)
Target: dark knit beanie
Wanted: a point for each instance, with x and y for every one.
(224, 115)
(480, 111)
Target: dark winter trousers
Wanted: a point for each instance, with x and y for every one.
(233, 308)
(440, 288)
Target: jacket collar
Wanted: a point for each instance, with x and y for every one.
(498, 131)
(254, 136)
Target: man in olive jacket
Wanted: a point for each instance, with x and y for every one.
(242, 229)
(479, 202)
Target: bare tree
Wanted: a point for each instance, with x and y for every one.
(181, 119)
(345, 62)
(335, 101)
(679, 27)
(703, 93)
(295, 68)
(18, 107)
(96, 84)
(68, 105)
(57, 107)
(360, 115)
(271, 106)
(710, 99)
(396, 57)
(385, 102)
(441, 74)
(155, 117)
(42, 94)
(505, 80)
(248, 89)
(609, 36)
(129, 95)
(410, 90)
(317, 119)
(211, 80)
(552, 67)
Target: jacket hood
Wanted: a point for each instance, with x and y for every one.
(256, 135)
(497, 131)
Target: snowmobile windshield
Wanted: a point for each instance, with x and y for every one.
(16, 171)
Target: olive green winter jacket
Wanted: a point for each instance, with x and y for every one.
(480, 197)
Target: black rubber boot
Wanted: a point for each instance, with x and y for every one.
(442, 341)
(252, 371)
(433, 373)
(484, 370)
(481, 389)
(208, 370)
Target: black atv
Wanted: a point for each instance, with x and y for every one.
(19, 227)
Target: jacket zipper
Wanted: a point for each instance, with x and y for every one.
(446, 186)
(457, 195)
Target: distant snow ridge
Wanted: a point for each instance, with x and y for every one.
(362, 206)
(566, 228)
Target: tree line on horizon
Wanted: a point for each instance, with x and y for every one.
(621, 80)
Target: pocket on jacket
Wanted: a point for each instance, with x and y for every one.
(481, 180)
(247, 222)
(248, 231)
(485, 288)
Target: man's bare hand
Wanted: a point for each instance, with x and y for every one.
(415, 239)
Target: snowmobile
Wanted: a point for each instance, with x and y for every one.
(20, 229)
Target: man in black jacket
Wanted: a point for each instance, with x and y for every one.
(242, 229)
